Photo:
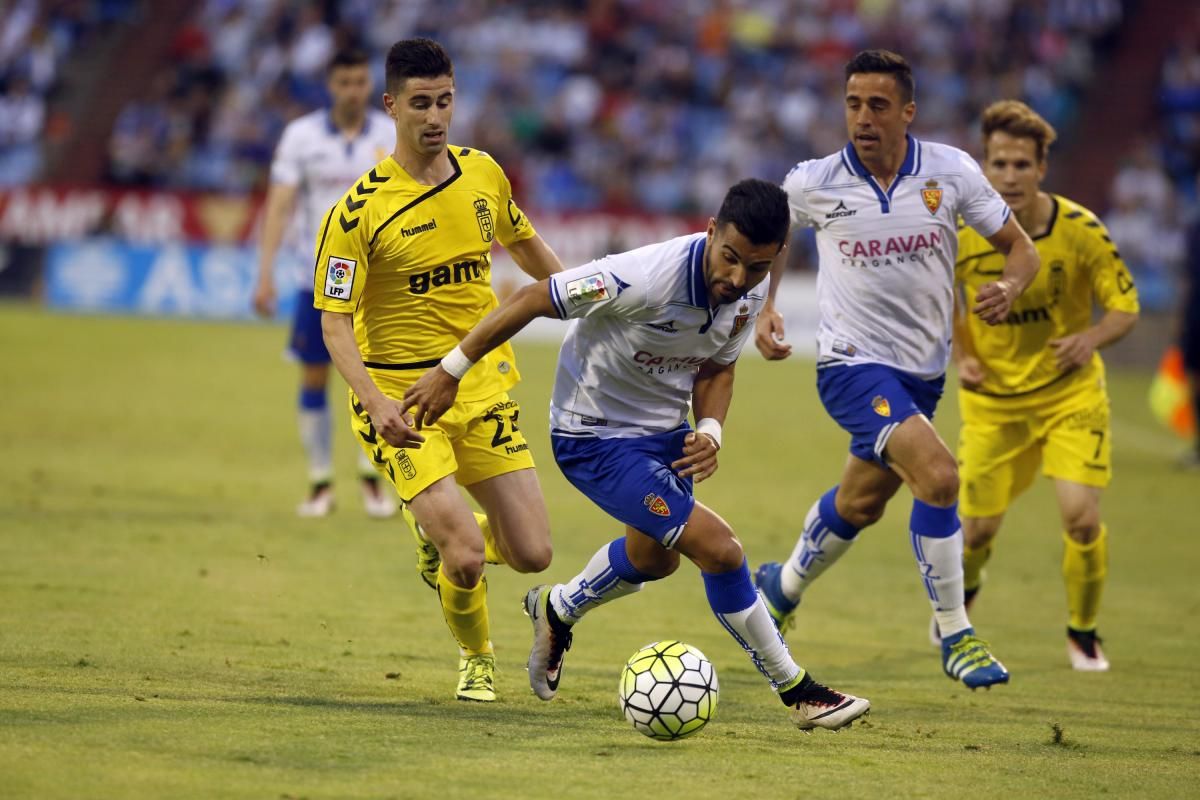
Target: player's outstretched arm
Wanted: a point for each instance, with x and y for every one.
(434, 392)
(281, 198)
(535, 258)
(1021, 264)
(768, 328)
(386, 414)
(711, 395)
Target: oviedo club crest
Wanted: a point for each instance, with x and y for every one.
(932, 196)
(483, 215)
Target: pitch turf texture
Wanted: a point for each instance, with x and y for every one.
(169, 628)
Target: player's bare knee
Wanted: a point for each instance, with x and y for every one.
(725, 555)
(462, 564)
(978, 535)
(941, 484)
(863, 511)
(532, 558)
(1084, 527)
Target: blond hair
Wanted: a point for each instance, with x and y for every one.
(1018, 120)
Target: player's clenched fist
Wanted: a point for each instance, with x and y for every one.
(994, 301)
(394, 425)
(699, 457)
(432, 395)
(768, 336)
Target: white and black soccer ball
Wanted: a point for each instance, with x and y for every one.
(668, 690)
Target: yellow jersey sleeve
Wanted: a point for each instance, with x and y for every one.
(340, 271)
(513, 225)
(1112, 284)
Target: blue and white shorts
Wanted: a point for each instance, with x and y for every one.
(631, 479)
(306, 339)
(870, 401)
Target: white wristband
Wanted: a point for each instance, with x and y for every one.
(456, 363)
(712, 428)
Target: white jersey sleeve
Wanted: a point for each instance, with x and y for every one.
(981, 206)
(602, 287)
(794, 184)
(287, 167)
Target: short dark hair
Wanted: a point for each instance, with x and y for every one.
(887, 63)
(416, 58)
(349, 57)
(758, 209)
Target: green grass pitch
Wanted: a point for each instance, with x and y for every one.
(169, 628)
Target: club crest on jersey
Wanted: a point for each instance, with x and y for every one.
(932, 196)
(881, 406)
(339, 277)
(589, 289)
(656, 505)
(483, 215)
(406, 466)
(739, 322)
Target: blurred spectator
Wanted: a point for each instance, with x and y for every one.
(656, 104)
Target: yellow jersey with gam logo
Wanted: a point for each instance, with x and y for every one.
(1081, 266)
(413, 264)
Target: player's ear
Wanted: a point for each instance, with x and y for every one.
(389, 104)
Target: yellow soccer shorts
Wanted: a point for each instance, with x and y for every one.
(999, 456)
(473, 441)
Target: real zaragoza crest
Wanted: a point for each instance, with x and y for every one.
(483, 215)
(932, 196)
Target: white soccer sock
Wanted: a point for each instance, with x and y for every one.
(756, 633)
(817, 550)
(601, 582)
(315, 436)
(940, 562)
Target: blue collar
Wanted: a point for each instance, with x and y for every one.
(332, 128)
(697, 290)
(910, 166)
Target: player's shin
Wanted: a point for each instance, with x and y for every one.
(608, 575)
(315, 435)
(740, 609)
(466, 614)
(974, 560)
(1084, 569)
(826, 538)
(937, 543)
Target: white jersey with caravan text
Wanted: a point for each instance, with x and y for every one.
(316, 158)
(885, 284)
(641, 327)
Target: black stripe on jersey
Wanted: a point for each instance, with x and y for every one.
(1019, 394)
(321, 245)
(433, 362)
(457, 174)
(1092, 224)
(363, 193)
(1073, 214)
(466, 151)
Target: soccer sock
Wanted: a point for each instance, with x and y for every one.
(974, 560)
(606, 577)
(738, 606)
(825, 538)
(1084, 568)
(466, 613)
(315, 434)
(491, 553)
(937, 543)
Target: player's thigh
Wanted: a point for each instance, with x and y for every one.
(997, 461)
(864, 491)
(410, 470)
(648, 556)
(631, 479)
(516, 512)
(1078, 441)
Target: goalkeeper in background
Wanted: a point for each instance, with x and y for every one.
(1033, 388)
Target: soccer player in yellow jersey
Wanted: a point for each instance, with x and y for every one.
(1033, 389)
(403, 273)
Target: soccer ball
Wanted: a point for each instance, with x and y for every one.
(668, 690)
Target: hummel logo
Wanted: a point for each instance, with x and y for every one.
(841, 211)
(665, 327)
(413, 231)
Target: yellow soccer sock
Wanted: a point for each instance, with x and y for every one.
(1084, 568)
(491, 553)
(466, 613)
(973, 563)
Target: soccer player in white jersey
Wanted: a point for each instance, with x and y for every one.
(319, 157)
(885, 209)
(654, 331)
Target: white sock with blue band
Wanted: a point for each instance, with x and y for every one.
(608, 575)
(937, 543)
(739, 608)
(826, 538)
